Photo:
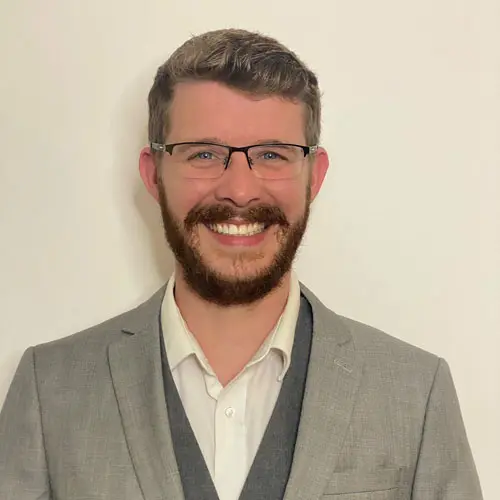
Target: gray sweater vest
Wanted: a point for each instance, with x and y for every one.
(270, 469)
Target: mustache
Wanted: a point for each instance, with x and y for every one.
(216, 214)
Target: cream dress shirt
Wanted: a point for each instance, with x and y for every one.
(229, 422)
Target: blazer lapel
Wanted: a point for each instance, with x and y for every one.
(332, 383)
(135, 363)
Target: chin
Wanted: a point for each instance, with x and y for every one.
(240, 267)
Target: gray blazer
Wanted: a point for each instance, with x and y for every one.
(85, 418)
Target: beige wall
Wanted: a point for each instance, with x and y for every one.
(405, 235)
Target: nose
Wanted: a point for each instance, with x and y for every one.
(238, 184)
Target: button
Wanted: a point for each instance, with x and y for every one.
(230, 412)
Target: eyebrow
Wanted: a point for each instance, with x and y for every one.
(218, 140)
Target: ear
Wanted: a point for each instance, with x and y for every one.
(148, 171)
(319, 170)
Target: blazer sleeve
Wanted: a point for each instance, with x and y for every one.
(445, 469)
(23, 467)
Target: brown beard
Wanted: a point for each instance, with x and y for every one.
(211, 285)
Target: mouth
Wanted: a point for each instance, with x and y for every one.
(238, 229)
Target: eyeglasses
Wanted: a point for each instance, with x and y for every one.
(205, 160)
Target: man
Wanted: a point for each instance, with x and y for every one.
(233, 381)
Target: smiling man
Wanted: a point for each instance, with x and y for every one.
(233, 381)
(233, 216)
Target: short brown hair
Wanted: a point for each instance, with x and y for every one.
(242, 60)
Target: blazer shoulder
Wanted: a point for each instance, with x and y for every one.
(98, 337)
(379, 347)
(376, 346)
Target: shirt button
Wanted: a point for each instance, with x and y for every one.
(230, 412)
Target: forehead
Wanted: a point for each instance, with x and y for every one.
(211, 109)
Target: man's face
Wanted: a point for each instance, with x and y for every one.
(229, 269)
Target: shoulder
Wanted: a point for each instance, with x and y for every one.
(376, 344)
(385, 357)
(93, 342)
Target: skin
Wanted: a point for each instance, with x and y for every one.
(202, 110)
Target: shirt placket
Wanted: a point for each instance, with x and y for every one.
(230, 439)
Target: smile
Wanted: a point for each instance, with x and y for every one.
(238, 230)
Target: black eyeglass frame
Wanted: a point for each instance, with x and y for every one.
(168, 148)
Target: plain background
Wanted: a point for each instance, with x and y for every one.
(404, 236)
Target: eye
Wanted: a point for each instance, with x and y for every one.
(270, 155)
(202, 155)
(273, 153)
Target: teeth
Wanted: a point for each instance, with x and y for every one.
(240, 230)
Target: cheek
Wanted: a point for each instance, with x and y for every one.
(182, 194)
(290, 196)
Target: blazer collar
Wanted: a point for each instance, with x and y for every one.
(142, 318)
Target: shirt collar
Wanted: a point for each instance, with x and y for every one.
(180, 342)
(282, 337)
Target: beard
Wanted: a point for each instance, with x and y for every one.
(212, 285)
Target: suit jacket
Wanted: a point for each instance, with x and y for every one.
(85, 418)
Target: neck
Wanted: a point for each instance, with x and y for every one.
(230, 336)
